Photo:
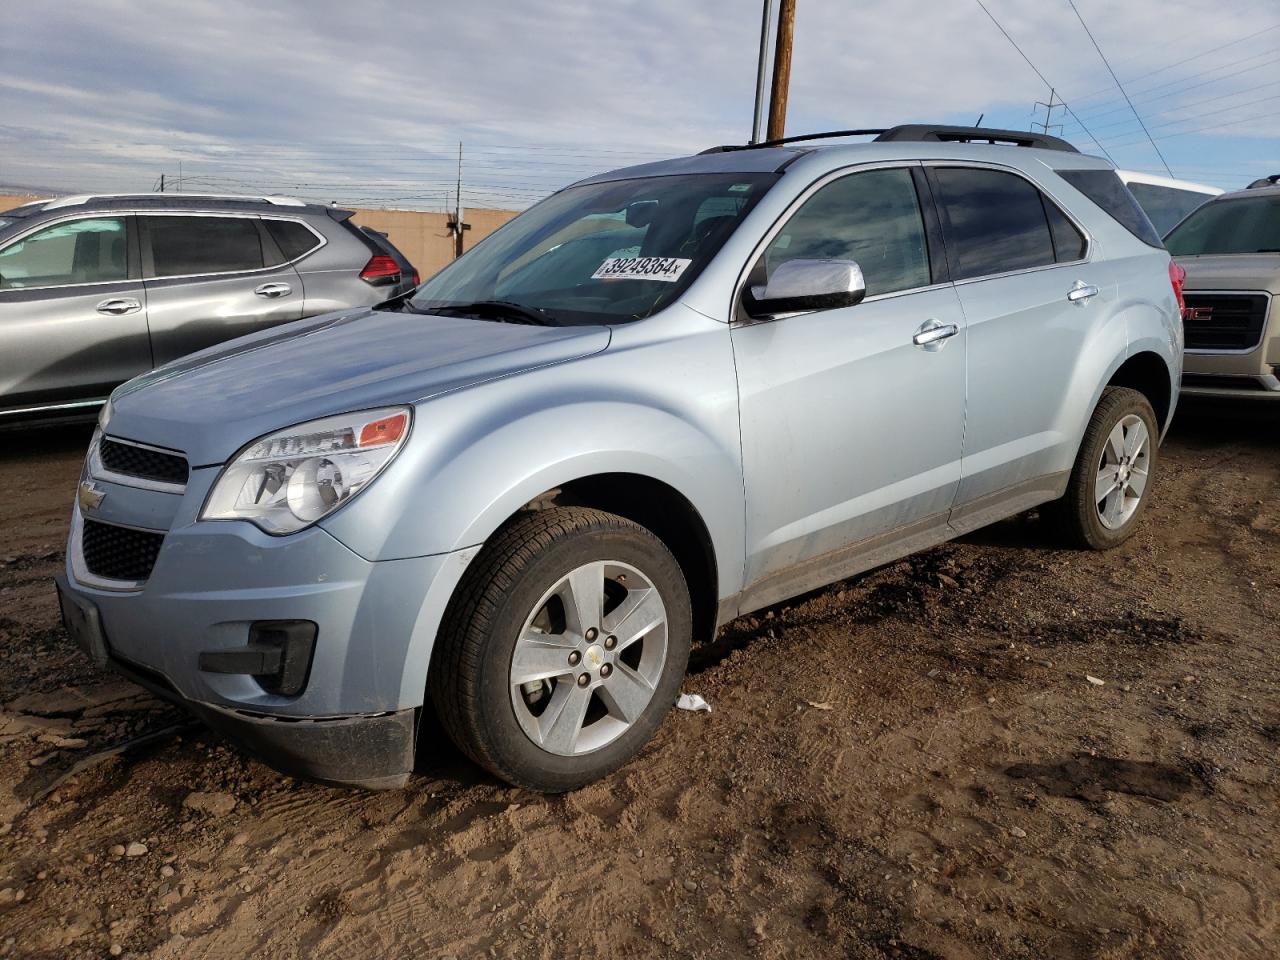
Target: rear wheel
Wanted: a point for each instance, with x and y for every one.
(1112, 475)
(563, 649)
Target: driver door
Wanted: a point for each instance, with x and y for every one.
(851, 431)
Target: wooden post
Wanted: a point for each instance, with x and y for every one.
(781, 70)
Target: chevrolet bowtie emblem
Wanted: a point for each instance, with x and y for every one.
(89, 496)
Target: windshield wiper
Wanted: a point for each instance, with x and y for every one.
(505, 310)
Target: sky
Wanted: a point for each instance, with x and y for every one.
(365, 103)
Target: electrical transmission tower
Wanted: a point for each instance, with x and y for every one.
(1048, 126)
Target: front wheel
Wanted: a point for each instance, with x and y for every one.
(1111, 479)
(563, 649)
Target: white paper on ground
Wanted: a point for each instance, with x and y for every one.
(691, 701)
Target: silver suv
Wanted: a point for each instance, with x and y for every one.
(97, 289)
(661, 398)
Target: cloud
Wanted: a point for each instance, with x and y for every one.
(367, 101)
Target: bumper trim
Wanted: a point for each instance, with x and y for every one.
(373, 751)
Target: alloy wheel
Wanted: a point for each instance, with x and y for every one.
(589, 658)
(1123, 471)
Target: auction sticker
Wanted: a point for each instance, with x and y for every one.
(666, 269)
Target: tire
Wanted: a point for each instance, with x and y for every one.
(515, 616)
(1083, 517)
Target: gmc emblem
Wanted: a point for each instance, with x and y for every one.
(1197, 313)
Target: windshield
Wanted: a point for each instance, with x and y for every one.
(1239, 225)
(599, 253)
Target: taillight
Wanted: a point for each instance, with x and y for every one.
(380, 270)
(1177, 277)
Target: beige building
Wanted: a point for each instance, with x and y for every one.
(423, 237)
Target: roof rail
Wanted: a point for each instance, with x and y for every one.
(1270, 181)
(831, 134)
(83, 198)
(933, 133)
(921, 133)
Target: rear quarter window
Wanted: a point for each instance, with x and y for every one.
(1107, 190)
(293, 239)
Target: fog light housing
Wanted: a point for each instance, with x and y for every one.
(278, 656)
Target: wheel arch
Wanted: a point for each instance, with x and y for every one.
(1148, 373)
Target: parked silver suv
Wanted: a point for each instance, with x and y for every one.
(97, 289)
(661, 398)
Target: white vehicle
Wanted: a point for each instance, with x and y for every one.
(1165, 200)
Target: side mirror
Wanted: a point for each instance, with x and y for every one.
(804, 285)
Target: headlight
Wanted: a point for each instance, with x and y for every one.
(288, 480)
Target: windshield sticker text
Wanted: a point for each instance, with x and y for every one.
(666, 269)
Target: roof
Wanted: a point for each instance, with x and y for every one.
(165, 201)
(766, 159)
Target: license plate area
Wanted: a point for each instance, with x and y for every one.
(83, 624)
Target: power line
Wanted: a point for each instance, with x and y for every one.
(1118, 84)
(1195, 86)
(1196, 103)
(1043, 79)
(1178, 63)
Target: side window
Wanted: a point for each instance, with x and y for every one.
(1069, 243)
(994, 222)
(184, 246)
(93, 250)
(871, 217)
(1107, 190)
(291, 237)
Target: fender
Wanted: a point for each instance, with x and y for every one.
(659, 402)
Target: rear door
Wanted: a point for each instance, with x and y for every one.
(211, 277)
(73, 319)
(1031, 301)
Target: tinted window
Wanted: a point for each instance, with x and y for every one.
(994, 222)
(1105, 188)
(182, 246)
(1068, 242)
(1238, 225)
(1165, 206)
(80, 251)
(291, 237)
(873, 218)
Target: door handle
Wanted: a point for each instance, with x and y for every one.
(1082, 292)
(932, 334)
(274, 290)
(118, 306)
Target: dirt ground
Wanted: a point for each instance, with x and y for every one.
(911, 764)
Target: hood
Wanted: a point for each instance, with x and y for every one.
(212, 403)
(1233, 271)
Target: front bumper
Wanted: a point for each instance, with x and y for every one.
(354, 722)
(375, 752)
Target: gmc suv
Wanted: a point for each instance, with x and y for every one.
(659, 399)
(1230, 248)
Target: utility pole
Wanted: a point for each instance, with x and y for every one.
(781, 70)
(1049, 107)
(162, 183)
(765, 23)
(456, 225)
